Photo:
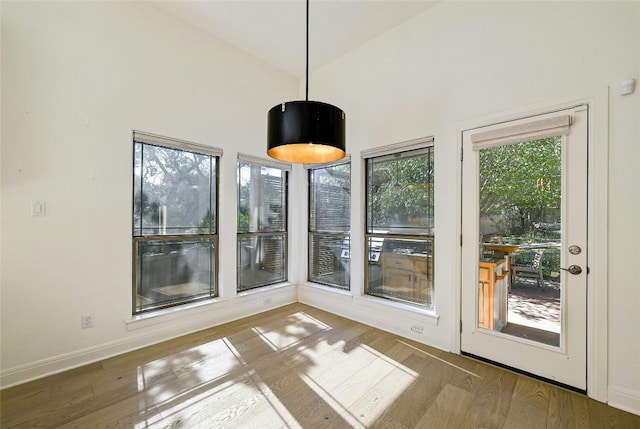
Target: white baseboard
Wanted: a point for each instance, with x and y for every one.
(624, 399)
(155, 330)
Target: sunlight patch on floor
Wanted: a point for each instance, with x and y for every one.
(282, 414)
(332, 402)
(299, 326)
(439, 359)
(344, 387)
(188, 367)
(179, 407)
(390, 361)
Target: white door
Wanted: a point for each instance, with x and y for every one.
(524, 251)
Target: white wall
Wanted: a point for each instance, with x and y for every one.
(459, 61)
(77, 78)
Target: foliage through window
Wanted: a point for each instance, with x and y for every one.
(399, 224)
(329, 225)
(520, 187)
(520, 198)
(174, 222)
(262, 224)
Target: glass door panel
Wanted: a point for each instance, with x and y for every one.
(519, 241)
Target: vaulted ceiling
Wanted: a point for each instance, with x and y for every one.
(274, 31)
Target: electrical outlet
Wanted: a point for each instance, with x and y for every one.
(86, 321)
(417, 328)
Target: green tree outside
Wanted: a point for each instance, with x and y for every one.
(520, 187)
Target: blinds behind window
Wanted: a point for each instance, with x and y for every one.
(527, 131)
(330, 199)
(272, 203)
(331, 209)
(262, 197)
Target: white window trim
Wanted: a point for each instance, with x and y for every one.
(398, 147)
(171, 143)
(527, 131)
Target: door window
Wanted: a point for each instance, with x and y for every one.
(519, 241)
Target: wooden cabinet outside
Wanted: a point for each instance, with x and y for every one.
(492, 295)
(407, 276)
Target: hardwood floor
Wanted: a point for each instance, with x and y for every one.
(298, 367)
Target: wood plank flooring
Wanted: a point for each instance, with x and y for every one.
(298, 367)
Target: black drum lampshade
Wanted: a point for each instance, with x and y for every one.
(306, 132)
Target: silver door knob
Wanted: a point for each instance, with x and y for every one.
(573, 269)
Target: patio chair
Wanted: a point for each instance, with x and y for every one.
(532, 270)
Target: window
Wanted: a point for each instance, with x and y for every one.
(329, 224)
(399, 224)
(262, 222)
(175, 242)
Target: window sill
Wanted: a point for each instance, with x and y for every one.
(327, 288)
(430, 316)
(375, 303)
(263, 289)
(172, 313)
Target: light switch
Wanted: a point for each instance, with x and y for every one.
(37, 208)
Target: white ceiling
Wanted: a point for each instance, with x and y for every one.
(274, 30)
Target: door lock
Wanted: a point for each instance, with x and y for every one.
(575, 250)
(573, 269)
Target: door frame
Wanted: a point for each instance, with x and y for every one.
(597, 234)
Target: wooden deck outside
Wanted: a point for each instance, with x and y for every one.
(534, 312)
(298, 367)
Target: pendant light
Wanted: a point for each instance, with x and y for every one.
(306, 131)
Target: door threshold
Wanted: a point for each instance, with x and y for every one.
(519, 371)
(543, 336)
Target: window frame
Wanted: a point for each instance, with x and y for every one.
(284, 233)
(214, 154)
(370, 235)
(326, 233)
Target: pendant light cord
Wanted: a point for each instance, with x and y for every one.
(306, 95)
